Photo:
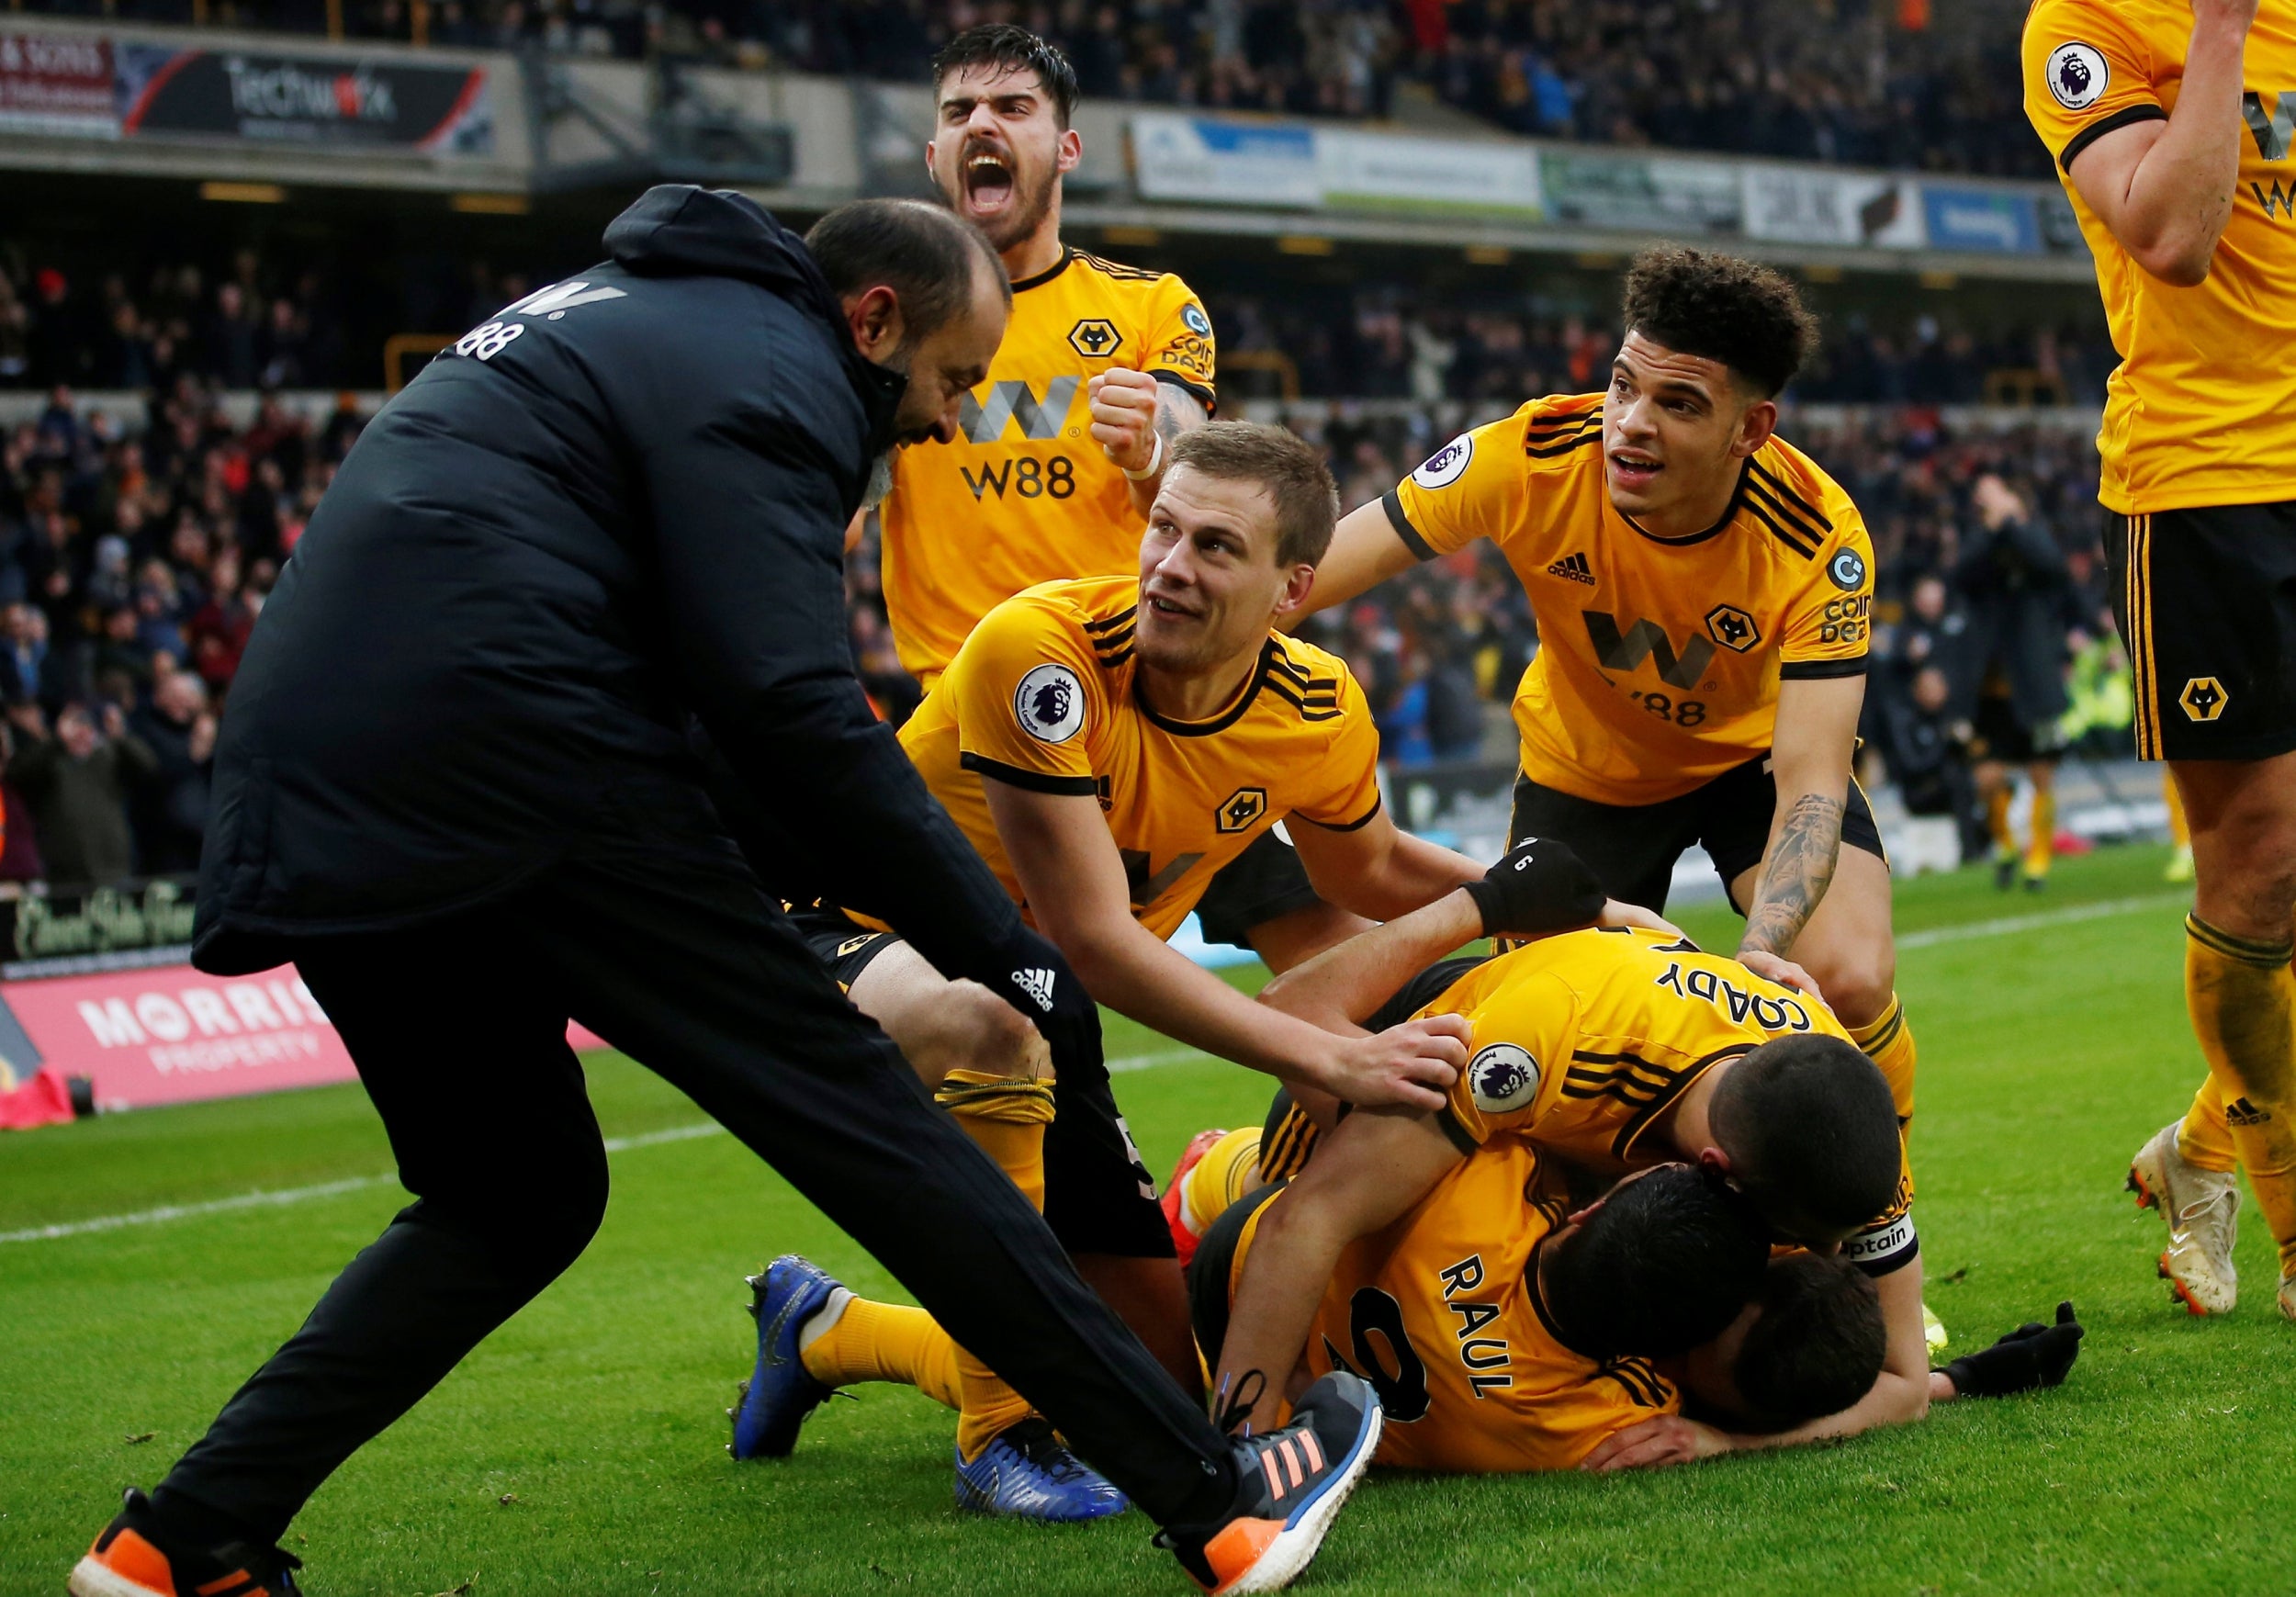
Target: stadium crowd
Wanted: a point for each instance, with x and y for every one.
(254, 321)
(135, 554)
(1912, 85)
(135, 550)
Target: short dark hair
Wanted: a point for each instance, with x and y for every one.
(1722, 309)
(926, 253)
(1006, 45)
(1666, 1262)
(1286, 466)
(1811, 1131)
(1817, 1345)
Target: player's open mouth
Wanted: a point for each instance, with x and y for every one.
(1631, 470)
(1164, 607)
(988, 181)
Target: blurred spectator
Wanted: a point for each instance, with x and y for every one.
(76, 784)
(170, 809)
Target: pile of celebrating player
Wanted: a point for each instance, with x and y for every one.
(1601, 1200)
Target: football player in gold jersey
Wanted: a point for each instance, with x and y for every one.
(1059, 452)
(1506, 1333)
(1703, 594)
(1109, 745)
(2172, 123)
(1611, 1049)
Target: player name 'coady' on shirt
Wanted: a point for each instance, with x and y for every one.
(1659, 658)
(1440, 1312)
(1043, 696)
(1024, 495)
(2203, 409)
(1581, 1041)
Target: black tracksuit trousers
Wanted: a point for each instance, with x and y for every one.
(458, 1028)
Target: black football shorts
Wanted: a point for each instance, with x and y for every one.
(2206, 603)
(1632, 847)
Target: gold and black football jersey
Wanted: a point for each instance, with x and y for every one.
(2202, 409)
(1659, 659)
(1581, 1042)
(1442, 1313)
(1043, 696)
(1024, 495)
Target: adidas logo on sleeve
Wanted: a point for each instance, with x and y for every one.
(1037, 982)
(1572, 568)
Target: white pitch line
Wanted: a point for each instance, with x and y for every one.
(2009, 925)
(293, 1195)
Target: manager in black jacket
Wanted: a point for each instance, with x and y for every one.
(455, 788)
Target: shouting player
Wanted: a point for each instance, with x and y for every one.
(1109, 744)
(2171, 127)
(1059, 452)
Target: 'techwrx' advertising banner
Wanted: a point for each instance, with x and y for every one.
(282, 99)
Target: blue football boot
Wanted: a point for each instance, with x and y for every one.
(779, 1394)
(1026, 1473)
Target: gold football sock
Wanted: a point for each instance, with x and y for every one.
(1006, 1116)
(2243, 1000)
(1887, 1040)
(2206, 1140)
(885, 1342)
(1997, 809)
(2041, 846)
(1229, 1168)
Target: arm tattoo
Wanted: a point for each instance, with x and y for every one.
(1795, 876)
(1177, 411)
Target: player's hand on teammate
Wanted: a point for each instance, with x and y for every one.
(1771, 967)
(2240, 15)
(1540, 887)
(1655, 1443)
(1615, 913)
(1123, 404)
(1412, 1065)
(2030, 1356)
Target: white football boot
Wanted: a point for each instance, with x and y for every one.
(2202, 1208)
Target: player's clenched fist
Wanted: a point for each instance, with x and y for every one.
(1123, 407)
(1412, 1065)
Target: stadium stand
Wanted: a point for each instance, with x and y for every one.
(1917, 86)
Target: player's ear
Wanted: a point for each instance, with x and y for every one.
(1755, 427)
(1714, 1159)
(1071, 151)
(1291, 602)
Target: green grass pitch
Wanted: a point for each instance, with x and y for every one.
(579, 1450)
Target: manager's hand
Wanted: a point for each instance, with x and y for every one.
(1033, 975)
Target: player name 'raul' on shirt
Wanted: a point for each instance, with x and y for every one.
(1659, 658)
(1043, 696)
(1441, 1312)
(2202, 409)
(1581, 1042)
(1023, 495)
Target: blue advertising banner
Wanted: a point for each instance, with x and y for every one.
(1982, 220)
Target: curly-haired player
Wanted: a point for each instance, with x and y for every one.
(1703, 591)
